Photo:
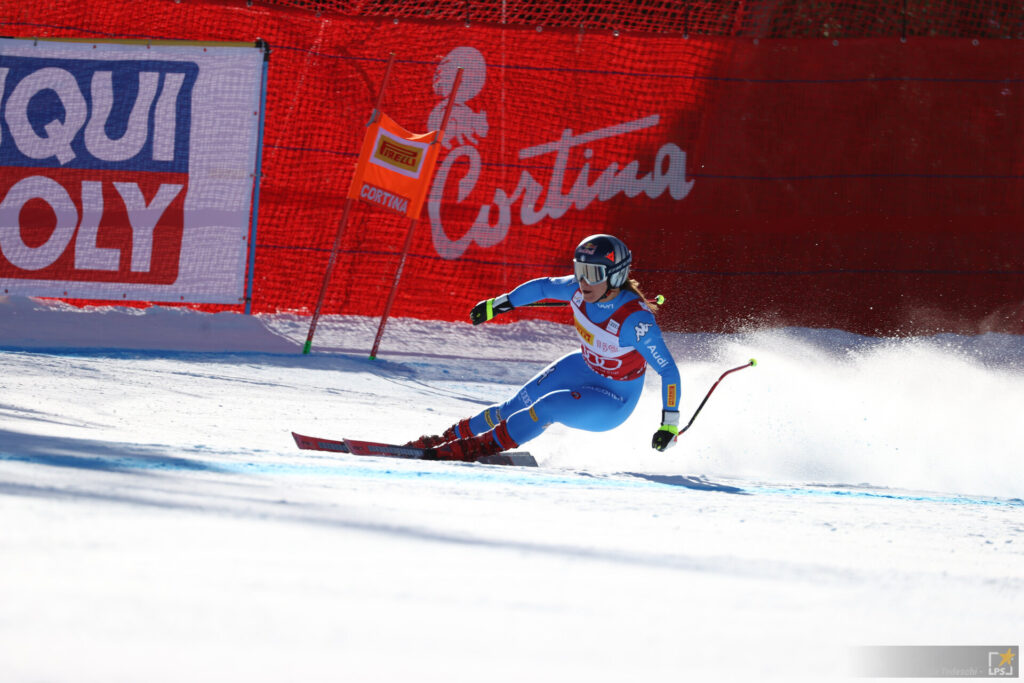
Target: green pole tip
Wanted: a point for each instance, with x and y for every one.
(659, 299)
(753, 361)
(306, 347)
(373, 357)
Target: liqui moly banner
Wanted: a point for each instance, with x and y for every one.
(126, 170)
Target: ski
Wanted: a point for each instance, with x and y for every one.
(387, 450)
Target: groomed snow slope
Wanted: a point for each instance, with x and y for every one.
(157, 522)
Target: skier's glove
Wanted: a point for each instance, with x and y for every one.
(485, 310)
(665, 437)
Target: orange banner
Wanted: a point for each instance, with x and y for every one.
(395, 167)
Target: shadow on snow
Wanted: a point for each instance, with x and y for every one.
(89, 454)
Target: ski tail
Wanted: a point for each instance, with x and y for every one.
(516, 458)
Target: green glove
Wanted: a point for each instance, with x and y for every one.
(666, 435)
(487, 309)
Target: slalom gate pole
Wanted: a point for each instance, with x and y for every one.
(327, 276)
(344, 220)
(751, 363)
(659, 300)
(412, 227)
(394, 289)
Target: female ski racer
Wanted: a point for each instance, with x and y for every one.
(595, 388)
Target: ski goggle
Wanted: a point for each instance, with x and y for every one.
(593, 273)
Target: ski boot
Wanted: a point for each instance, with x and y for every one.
(472, 448)
(450, 434)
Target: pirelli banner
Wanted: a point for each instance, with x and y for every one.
(127, 169)
(395, 167)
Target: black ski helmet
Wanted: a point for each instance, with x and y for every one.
(602, 257)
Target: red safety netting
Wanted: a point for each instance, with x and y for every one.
(871, 185)
(749, 18)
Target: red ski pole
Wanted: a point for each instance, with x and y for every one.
(751, 363)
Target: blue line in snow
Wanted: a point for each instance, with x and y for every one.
(465, 472)
(883, 494)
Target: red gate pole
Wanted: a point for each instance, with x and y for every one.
(327, 276)
(412, 228)
(344, 220)
(394, 289)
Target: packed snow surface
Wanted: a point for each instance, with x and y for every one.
(157, 522)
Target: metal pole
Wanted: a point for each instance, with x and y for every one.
(257, 177)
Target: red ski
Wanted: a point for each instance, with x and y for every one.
(310, 443)
(387, 450)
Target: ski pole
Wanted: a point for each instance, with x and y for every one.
(751, 363)
(659, 300)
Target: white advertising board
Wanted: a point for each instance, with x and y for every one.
(127, 169)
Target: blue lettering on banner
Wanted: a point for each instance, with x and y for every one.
(92, 114)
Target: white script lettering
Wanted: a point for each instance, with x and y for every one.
(668, 174)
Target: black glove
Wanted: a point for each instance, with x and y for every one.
(665, 437)
(487, 309)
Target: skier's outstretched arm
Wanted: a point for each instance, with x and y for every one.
(557, 288)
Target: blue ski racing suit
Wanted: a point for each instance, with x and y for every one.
(595, 388)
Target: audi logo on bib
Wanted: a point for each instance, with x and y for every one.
(625, 367)
(595, 361)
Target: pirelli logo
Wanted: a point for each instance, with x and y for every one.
(671, 395)
(584, 333)
(392, 153)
